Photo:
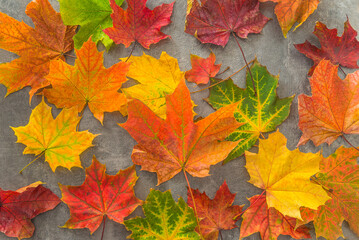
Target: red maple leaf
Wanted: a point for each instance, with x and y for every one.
(213, 21)
(99, 196)
(269, 222)
(138, 23)
(202, 69)
(17, 208)
(215, 214)
(342, 50)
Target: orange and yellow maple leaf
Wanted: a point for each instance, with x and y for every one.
(178, 143)
(49, 40)
(87, 83)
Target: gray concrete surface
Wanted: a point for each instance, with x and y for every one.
(113, 147)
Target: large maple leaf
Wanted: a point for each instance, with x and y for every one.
(290, 12)
(138, 23)
(262, 112)
(87, 83)
(100, 196)
(202, 69)
(215, 214)
(285, 176)
(339, 175)
(92, 15)
(49, 40)
(269, 222)
(17, 208)
(342, 50)
(165, 219)
(178, 143)
(157, 78)
(56, 138)
(213, 21)
(333, 108)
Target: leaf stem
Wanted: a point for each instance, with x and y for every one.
(103, 226)
(220, 234)
(68, 55)
(245, 60)
(346, 140)
(341, 69)
(194, 203)
(222, 80)
(251, 204)
(42, 153)
(133, 48)
(225, 70)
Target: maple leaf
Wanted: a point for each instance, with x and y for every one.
(290, 12)
(157, 77)
(165, 219)
(169, 146)
(269, 222)
(215, 214)
(202, 69)
(100, 196)
(49, 40)
(92, 15)
(17, 208)
(138, 23)
(87, 83)
(261, 112)
(56, 138)
(339, 175)
(342, 50)
(213, 21)
(285, 176)
(332, 110)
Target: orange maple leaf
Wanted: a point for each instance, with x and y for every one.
(333, 108)
(178, 143)
(49, 40)
(290, 12)
(87, 83)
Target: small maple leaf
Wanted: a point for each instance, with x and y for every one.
(285, 176)
(165, 219)
(56, 138)
(138, 23)
(261, 113)
(202, 69)
(87, 83)
(213, 21)
(157, 78)
(169, 146)
(100, 196)
(339, 175)
(17, 208)
(332, 110)
(269, 222)
(215, 214)
(342, 50)
(49, 40)
(92, 16)
(290, 12)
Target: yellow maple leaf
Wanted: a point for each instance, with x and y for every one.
(56, 138)
(285, 176)
(157, 77)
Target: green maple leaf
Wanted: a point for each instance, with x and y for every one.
(92, 16)
(165, 219)
(262, 112)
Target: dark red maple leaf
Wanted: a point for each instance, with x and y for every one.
(342, 50)
(212, 21)
(215, 214)
(17, 208)
(138, 23)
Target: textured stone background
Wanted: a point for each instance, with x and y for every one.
(113, 147)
